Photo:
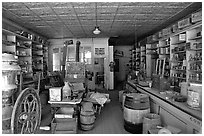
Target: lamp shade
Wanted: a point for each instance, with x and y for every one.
(96, 31)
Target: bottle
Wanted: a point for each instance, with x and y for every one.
(190, 57)
(66, 90)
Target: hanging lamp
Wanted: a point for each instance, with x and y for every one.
(96, 30)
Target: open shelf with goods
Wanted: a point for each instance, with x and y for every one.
(37, 58)
(194, 55)
(143, 60)
(178, 60)
(20, 43)
(151, 58)
(45, 59)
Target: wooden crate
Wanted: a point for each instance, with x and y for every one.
(64, 125)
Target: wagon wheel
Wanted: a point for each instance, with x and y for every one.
(26, 115)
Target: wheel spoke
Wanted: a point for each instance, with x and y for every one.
(31, 126)
(23, 128)
(24, 105)
(27, 126)
(33, 105)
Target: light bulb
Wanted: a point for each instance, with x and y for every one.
(96, 31)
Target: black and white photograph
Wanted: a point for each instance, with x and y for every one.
(101, 67)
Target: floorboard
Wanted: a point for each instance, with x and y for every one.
(109, 121)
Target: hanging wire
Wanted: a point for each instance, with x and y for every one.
(96, 13)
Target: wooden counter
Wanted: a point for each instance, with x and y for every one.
(172, 113)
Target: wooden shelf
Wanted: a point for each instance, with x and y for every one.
(164, 54)
(19, 36)
(24, 47)
(196, 71)
(23, 55)
(198, 49)
(179, 70)
(195, 61)
(196, 38)
(179, 42)
(175, 61)
(179, 77)
(198, 24)
(194, 81)
(164, 46)
(179, 52)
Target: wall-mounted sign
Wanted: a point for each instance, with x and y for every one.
(99, 51)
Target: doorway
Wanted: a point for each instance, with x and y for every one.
(99, 73)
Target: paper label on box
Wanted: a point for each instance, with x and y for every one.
(55, 94)
(63, 116)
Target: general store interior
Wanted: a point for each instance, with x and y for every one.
(102, 67)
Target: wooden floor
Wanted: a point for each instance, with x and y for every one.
(109, 121)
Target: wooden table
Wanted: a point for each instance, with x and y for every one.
(58, 104)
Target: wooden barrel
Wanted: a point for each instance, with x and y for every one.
(150, 121)
(135, 107)
(87, 119)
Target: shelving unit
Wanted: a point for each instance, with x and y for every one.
(194, 55)
(28, 50)
(181, 48)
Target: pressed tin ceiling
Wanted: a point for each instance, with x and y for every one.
(78, 19)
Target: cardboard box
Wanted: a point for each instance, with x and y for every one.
(65, 112)
(175, 28)
(182, 37)
(55, 93)
(64, 125)
(184, 23)
(196, 17)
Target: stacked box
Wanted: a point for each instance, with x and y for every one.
(166, 31)
(55, 93)
(160, 34)
(184, 23)
(64, 126)
(196, 17)
(175, 28)
(155, 37)
(182, 37)
(65, 112)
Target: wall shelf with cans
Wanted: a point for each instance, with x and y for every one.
(177, 43)
(26, 48)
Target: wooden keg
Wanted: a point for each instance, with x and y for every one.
(135, 107)
(150, 121)
(87, 119)
(87, 116)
